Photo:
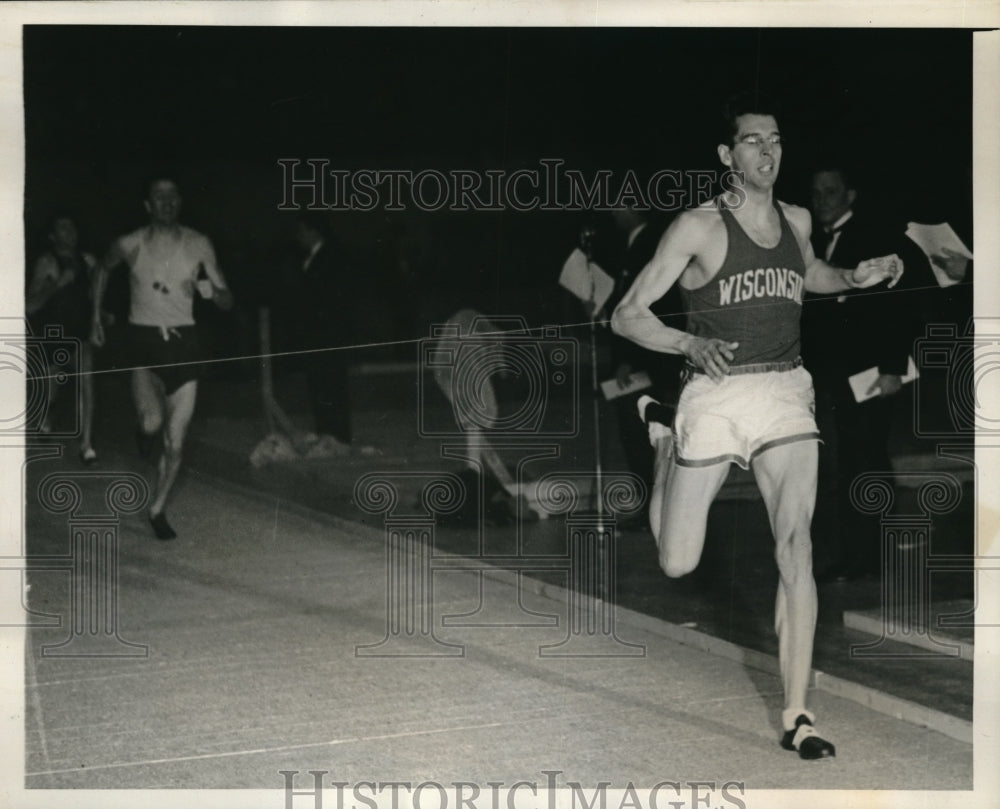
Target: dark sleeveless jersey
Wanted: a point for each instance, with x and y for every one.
(756, 297)
(69, 306)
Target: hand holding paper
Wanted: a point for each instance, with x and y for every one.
(954, 264)
(613, 388)
(944, 249)
(868, 384)
(586, 280)
(885, 385)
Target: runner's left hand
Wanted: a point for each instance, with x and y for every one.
(223, 298)
(874, 271)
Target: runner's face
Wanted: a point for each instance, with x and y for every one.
(63, 234)
(756, 150)
(164, 203)
(831, 198)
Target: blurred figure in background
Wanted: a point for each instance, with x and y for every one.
(59, 294)
(641, 237)
(323, 301)
(842, 335)
(476, 409)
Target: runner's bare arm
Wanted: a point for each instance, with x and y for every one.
(221, 296)
(44, 281)
(114, 257)
(634, 319)
(822, 278)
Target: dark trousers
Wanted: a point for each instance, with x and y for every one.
(856, 442)
(329, 394)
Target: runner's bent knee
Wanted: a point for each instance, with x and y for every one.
(674, 567)
(172, 452)
(680, 548)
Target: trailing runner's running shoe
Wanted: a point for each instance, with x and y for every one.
(657, 417)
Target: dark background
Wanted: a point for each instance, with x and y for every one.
(106, 105)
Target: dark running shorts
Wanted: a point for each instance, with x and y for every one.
(173, 354)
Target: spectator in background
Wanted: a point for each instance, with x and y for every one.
(842, 335)
(416, 263)
(955, 265)
(323, 301)
(474, 405)
(641, 237)
(59, 294)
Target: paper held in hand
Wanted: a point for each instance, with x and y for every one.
(931, 239)
(863, 380)
(638, 381)
(586, 280)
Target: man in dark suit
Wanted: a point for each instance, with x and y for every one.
(324, 283)
(843, 335)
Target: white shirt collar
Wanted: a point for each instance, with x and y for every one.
(840, 222)
(635, 232)
(312, 254)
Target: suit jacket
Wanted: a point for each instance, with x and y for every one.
(846, 333)
(322, 299)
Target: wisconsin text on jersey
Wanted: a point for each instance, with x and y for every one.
(763, 282)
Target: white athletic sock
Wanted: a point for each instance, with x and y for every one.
(656, 430)
(789, 715)
(642, 403)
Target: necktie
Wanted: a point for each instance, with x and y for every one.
(823, 239)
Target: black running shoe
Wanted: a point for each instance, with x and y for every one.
(654, 412)
(161, 527)
(144, 442)
(658, 419)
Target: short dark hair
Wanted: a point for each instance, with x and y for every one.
(316, 221)
(165, 176)
(745, 102)
(836, 166)
(58, 216)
